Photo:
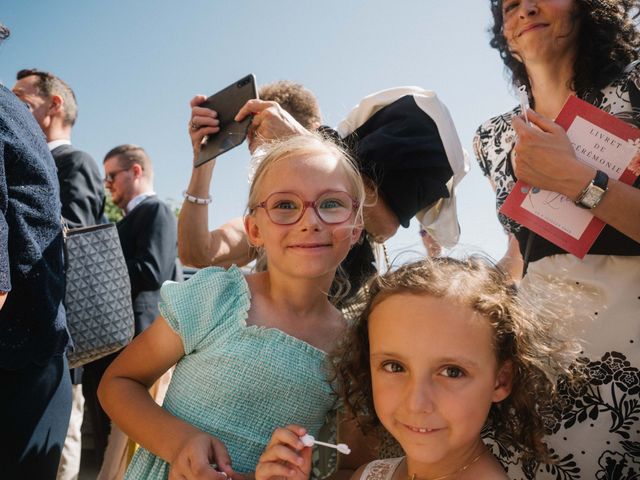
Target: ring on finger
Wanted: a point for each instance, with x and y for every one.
(194, 127)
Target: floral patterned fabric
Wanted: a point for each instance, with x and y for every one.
(594, 430)
(495, 139)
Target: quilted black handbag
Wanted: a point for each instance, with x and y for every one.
(98, 293)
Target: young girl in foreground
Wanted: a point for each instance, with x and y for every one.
(443, 348)
(250, 350)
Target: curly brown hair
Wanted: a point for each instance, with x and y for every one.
(607, 42)
(523, 334)
(297, 100)
(4, 32)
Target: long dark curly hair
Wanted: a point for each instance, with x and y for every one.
(607, 42)
(525, 334)
(4, 32)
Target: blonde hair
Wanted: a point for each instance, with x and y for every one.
(307, 144)
(524, 333)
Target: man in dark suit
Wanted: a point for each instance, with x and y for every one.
(53, 105)
(147, 232)
(148, 235)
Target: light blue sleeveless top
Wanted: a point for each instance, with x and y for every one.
(236, 382)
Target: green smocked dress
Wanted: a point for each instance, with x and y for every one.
(236, 382)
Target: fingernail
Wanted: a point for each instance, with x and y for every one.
(299, 460)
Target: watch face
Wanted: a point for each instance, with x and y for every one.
(592, 196)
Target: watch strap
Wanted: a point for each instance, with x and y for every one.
(601, 180)
(593, 193)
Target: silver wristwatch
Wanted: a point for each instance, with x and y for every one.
(592, 195)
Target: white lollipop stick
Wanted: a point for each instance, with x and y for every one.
(308, 441)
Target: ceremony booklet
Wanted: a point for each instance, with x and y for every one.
(599, 140)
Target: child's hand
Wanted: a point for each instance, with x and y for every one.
(195, 459)
(285, 456)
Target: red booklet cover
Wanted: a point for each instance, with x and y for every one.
(601, 141)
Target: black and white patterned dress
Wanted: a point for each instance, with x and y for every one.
(596, 429)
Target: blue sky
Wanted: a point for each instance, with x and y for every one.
(134, 66)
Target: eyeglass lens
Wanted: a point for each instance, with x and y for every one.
(288, 208)
(110, 177)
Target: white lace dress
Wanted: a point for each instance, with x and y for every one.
(381, 469)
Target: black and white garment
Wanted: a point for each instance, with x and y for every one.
(404, 141)
(595, 430)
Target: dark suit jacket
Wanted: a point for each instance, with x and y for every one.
(149, 237)
(81, 188)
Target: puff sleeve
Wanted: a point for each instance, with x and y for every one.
(195, 309)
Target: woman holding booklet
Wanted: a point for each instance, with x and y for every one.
(553, 49)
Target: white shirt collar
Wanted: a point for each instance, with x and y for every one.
(56, 143)
(135, 201)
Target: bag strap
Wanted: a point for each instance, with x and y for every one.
(65, 227)
(65, 252)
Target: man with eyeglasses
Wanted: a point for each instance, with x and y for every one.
(148, 235)
(53, 105)
(148, 232)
